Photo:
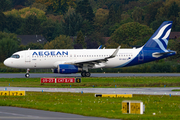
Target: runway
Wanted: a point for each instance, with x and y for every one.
(144, 91)
(14, 113)
(40, 75)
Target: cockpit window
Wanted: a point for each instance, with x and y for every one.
(15, 56)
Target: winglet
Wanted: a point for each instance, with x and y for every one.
(100, 47)
(115, 53)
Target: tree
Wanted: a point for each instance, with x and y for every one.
(175, 45)
(173, 10)
(2, 21)
(61, 42)
(72, 22)
(137, 14)
(22, 2)
(115, 3)
(80, 40)
(169, 11)
(8, 45)
(172, 14)
(94, 40)
(5, 5)
(100, 18)
(112, 44)
(10, 35)
(34, 46)
(57, 6)
(26, 12)
(118, 14)
(155, 24)
(39, 6)
(131, 34)
(112, 15)
(31, 26)
(87, 28)
(13, 24)
(117, 25)
(151, 12)
(58, 30)
(48, 29)
(84, 8)
(91, 44)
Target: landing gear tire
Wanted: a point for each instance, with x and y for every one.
(88, 74)
(27, 75)
(85, 74)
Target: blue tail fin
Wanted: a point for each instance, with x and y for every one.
(160, 38)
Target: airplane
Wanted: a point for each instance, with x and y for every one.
(68, 61)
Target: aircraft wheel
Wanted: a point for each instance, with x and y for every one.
(83, 74)
(27, 75)
(88, 74)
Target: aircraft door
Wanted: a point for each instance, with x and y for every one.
(75, 56)
(27, 57)
(141, 56)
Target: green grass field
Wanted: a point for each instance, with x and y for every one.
(97, 82)
(165, 107)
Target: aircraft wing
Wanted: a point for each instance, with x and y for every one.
(94, 61)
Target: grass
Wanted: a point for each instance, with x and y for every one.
(106, 82)
(165, 107)
(176, 90)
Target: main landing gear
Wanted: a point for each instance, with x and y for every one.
(85, 74)
(27, 73)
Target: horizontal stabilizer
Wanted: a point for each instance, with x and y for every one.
(161, 54)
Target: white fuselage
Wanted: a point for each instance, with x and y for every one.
(52, 58)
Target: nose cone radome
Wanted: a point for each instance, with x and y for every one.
(7, 62)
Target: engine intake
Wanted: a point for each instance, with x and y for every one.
(66, 69)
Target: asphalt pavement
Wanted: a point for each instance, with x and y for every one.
(40, 75)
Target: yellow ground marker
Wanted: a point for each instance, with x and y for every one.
(12, 93)
(114, 95)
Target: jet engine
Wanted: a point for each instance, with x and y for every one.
(67, 69)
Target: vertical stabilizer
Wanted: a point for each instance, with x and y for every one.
(159, 39)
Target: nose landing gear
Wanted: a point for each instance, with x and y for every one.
(27, 73)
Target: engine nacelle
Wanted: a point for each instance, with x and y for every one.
(66, 69)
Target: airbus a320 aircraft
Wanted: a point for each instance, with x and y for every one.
(67, 61)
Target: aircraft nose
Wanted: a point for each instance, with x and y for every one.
(6, 62)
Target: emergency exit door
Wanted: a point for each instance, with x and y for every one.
(27, 57)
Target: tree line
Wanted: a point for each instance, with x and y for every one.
(83, 23)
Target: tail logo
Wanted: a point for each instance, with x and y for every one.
(162, 37)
